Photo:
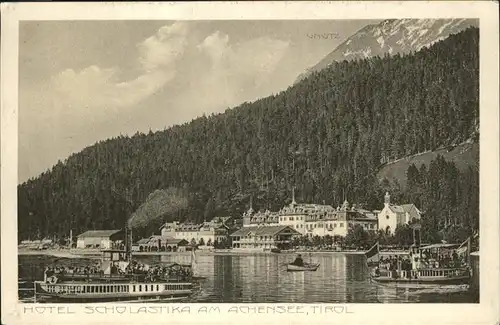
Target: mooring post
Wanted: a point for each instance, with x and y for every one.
(34, 298)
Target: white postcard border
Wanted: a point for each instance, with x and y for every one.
(486, 312)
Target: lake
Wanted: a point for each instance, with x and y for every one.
(262, 278)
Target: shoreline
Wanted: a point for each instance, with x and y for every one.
(55, 253)
(94, 255)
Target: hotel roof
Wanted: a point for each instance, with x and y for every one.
(407, 207)
(164, 240)
(262, 231)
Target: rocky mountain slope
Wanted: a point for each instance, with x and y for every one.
(391, 37)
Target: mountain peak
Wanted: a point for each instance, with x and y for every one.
(392, 36)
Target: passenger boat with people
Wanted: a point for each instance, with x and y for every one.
(117, 278)
(431, 265)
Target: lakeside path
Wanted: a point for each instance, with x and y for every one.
(93, 255)
(55, 253)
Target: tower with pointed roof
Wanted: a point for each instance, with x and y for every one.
(387, 199)
(345, 205)
(247, 216)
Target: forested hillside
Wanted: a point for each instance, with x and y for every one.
(327, 136)
(464, 155)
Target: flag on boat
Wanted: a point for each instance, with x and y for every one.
(373, 255)
(193, 260)
(464, 247)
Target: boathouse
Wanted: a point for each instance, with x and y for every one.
(103, 239)
(206, 232)
(157, 243)
(263, 237)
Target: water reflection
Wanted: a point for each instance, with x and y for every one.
(264, 278)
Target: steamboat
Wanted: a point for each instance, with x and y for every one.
(424, 266)
(117, 278)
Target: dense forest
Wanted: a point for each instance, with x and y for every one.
(326, 136)
(448, 198)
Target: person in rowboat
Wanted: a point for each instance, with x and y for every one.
(298, 261)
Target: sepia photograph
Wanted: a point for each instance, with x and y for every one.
(249, 161)
(197, 160)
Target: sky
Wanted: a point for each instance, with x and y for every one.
(85, 81)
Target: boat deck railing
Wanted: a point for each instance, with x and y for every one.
(427, 273)
(136, 277)
(113, 288)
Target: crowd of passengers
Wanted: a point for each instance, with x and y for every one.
(158, 272)
(63, 270)
(426, 260)
(153, 273)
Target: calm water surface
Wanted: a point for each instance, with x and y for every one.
(263, 278)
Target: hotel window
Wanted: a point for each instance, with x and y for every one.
(341, 225)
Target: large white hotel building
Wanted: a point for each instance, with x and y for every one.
(321, 220)
(314, 219)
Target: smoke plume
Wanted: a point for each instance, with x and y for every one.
(157, 205)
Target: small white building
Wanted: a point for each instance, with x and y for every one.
(103, 239)
(393, 215)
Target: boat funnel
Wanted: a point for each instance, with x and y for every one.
(128, 242)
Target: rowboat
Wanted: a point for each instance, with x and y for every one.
(305, 267)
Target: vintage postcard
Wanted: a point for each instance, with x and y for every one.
(292, 161)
